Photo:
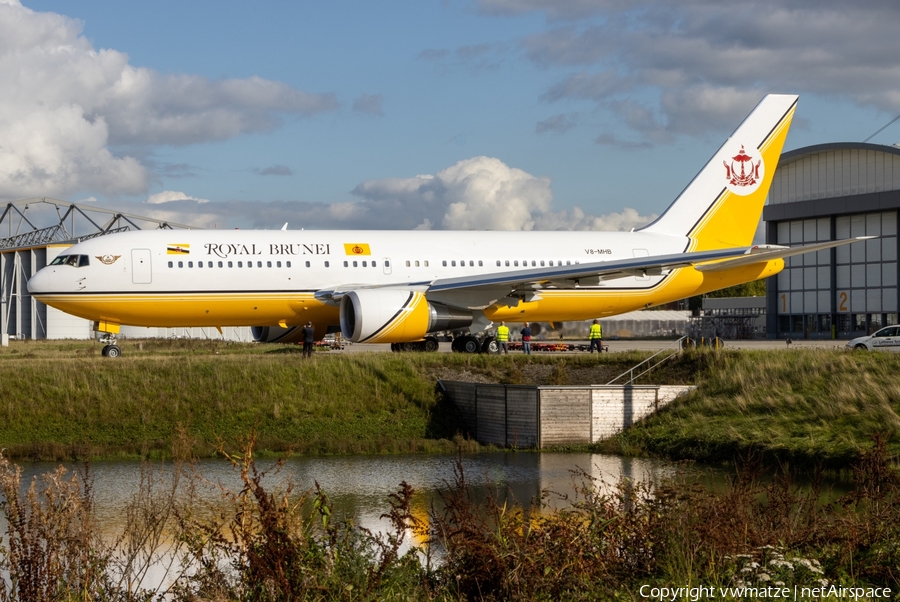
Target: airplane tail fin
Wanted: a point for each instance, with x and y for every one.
(722, 205)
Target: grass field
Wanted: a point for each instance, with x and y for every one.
(802, 406)
(60, 400)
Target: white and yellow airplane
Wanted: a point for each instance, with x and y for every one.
(398, 287)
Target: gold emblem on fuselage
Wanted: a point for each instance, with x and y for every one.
(108, 259)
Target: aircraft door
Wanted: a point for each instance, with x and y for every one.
(140, 266)
(387, 265)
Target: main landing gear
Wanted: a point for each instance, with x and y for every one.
(471, 344)
(462, 344)
(428, 344)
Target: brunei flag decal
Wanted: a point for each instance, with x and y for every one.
(179, 249)
(357, 248)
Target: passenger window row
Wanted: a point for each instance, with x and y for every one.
(82, 260)
(508, 263)
(229, 264)
(365, 264)
(536, 263)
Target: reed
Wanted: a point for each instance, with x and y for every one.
(264, 542)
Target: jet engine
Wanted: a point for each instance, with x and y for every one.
(277, 334)
(396, 316)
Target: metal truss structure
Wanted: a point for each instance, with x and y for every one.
(22, 228)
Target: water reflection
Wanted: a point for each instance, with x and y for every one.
(359, 486)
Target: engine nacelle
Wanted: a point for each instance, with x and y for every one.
(277, 334)
(395, 316)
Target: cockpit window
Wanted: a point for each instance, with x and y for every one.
(77, 261)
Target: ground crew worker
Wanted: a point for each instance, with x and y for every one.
(526, 339)
(503, 337)
(309, 339)
(596, 337)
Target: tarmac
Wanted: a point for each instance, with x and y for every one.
(619, 345)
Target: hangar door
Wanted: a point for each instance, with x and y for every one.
(140, 266)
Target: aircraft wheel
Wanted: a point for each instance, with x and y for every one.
(112, 351)
(470, 344)
(105, 350)
(394, 347)
(431, 344)
(456, 344)
(490, 345)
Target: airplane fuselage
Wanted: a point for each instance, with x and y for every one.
(244, 277)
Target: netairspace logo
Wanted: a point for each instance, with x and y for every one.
(702, 592)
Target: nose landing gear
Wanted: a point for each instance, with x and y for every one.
(108, 338)
(111, 351)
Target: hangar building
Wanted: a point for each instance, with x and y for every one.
(829, 192)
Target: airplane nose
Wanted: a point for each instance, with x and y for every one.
(40, 282)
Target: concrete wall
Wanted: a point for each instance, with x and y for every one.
(565, 416)
(616, 408)
(532, 416)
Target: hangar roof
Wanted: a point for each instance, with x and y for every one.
(833, 179)
(806, 151)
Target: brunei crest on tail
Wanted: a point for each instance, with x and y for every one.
(745, 179)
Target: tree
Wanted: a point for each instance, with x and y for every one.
(757, 288)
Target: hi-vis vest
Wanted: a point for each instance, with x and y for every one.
(596, 331)
(503, 333)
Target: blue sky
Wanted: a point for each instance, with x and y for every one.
(502, 114)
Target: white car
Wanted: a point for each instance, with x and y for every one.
(886, 339)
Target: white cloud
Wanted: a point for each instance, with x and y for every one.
(478, 193)
(63, 103)
(481, 193)
(170, 196)
(576, 219)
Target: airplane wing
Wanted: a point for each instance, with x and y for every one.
(567, 274)
(488, 287)
(485, 288)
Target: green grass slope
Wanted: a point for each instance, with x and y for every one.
(809, 406)
(61, 400)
